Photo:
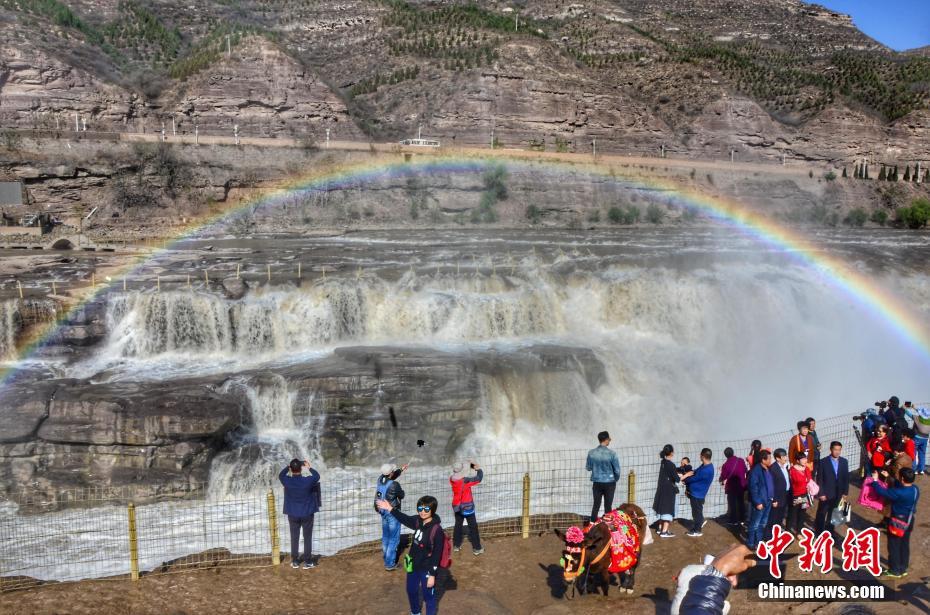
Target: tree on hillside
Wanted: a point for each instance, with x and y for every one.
(882, 176)
(845, 176)
(907, 172)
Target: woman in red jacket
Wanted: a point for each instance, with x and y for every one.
(879, 448)
(799, 475)
(463, 505)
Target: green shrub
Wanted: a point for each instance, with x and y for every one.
(631, 215)
(879, 217)
(915, 216)
(856, 217)
(533, 214)
(615, 215)
(655, 214)
(829, 176)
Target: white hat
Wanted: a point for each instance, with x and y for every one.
(387, 468)
(458, 466)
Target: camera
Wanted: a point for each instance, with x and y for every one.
(881, 404)
(471, 465)
(859, 417)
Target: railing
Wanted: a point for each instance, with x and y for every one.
(108, 533)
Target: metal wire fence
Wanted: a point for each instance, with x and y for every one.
(108, 533)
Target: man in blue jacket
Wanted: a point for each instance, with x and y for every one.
(698, 484)
(301, 502)
(761, 492)
(833, 479)
(604, 467)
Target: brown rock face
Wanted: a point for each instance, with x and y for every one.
(263, 91)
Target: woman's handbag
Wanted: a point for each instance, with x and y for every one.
(812, 487)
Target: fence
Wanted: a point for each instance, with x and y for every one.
(103, 534)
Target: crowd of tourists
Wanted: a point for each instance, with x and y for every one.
(791, 484)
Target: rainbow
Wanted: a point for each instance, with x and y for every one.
(879, 302)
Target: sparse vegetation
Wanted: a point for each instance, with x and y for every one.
(533, 214)
(879, 217)
(655, 214)
(371, 84)
(916, 215)
(857, 217)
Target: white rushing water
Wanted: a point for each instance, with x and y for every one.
(704, 346)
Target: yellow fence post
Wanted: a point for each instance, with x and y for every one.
(631, 488)
(273, 528)
(526, 505)
(133, 544)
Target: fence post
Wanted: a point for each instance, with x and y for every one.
(631, 488)
(133, 543)
(273, 528)
(526, 505)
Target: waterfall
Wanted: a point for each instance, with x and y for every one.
(704, 345)
(275, 433)
(9, 328)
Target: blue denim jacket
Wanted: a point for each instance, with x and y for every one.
(603, 465)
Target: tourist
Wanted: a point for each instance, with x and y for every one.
(389, 489)
(921, 431)
(802, 442)
(708, 591)
(815, 451)
(894, 415)
(761, 493)
(684, 467)
(800, 475)
(754, 448)
(301, 502)
(698, 483)
(463, 506)
(422, 562)
(781, 482)
(833, 479)
(879, 448)
(903, 500)
(733, 479)
(666, 489)
(604, 467)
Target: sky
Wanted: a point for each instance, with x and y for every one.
(899, 24)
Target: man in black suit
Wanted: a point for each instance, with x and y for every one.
(781, 501)
(833, 478)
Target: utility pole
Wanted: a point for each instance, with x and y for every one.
(594, 148)
(492, 136)
(663, 150)
(327, 138)
(174, 127)
(420, 131)
(236, 132)
(77, 126)
(83, 124)
(516, 22)
(732, 155)
(196, 134)
(228, 47)
(163, 137)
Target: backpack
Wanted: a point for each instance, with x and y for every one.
(446, 560)
(381, 492)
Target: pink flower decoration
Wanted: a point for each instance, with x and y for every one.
(574, 534)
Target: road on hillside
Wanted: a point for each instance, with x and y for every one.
(609, 160)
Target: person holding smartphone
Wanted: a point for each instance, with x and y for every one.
(463, 505)
(301, 502)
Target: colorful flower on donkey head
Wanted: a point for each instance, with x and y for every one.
(574, 534)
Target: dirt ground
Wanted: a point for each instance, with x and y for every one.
(512, 576)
